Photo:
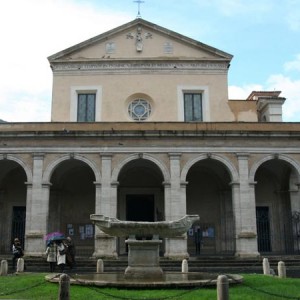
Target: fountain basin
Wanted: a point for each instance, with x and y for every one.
(167, 280)
(120, 228)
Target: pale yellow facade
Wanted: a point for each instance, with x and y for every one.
(165, 67)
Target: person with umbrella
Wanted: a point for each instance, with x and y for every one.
(61, 255)
(52, 236)
(57, 238)
(51, 255)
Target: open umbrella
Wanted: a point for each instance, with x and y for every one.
(54, 236)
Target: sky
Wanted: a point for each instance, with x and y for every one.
(262, 35)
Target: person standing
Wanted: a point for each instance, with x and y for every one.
(51, 255)
(198, 240)
(70, 252)
(17, 252)
(61, 255)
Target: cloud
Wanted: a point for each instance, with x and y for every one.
(242, 92)
(231, 8)
(37, 30)
(293, 15)
(293, 65)
(288, 82)
(32, 107)
(290, 90)
(237, 7)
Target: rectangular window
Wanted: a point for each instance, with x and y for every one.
(86, 107)
(193, 107)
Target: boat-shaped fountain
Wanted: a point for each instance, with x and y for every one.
(143, 270)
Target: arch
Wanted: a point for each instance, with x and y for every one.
(25, 167)
(226, 162)
(285, 158)
(276, 179)
(158, 163)
(51, 167)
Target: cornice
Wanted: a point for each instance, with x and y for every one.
(131, 66)
(65, 129)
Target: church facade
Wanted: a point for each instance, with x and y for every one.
(142, 129)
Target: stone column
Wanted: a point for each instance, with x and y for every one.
(294, 191)
(106, 204)
(28, 214)
(37, 209)
(295, 213)
(294, 194)
(175, 208)
(244, 211)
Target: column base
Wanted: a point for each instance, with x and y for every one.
(246, 245)
(34, 244)
(176, 248)
(247, 255)
(105, 246)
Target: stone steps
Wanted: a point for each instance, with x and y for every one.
(199, 264)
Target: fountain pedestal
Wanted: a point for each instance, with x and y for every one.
(143, 259)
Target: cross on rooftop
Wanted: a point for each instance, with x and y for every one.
(139, 2)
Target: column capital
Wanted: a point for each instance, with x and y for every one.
(3, 156)
(173, 155)
(46, 184)
(252, 182)
(106, 155)
(97, 184)
(166, 184)
(242, 155)
(115, 183)
(38, 155)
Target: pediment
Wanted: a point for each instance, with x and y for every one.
(140, 40)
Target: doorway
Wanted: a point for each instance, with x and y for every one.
(263, 229)
(18, 223)
(140, 208)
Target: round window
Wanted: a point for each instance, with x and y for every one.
(139, 110)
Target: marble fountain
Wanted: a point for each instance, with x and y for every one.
(143, 270)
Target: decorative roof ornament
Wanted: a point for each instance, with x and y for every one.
(139, 40)
(139, 2)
